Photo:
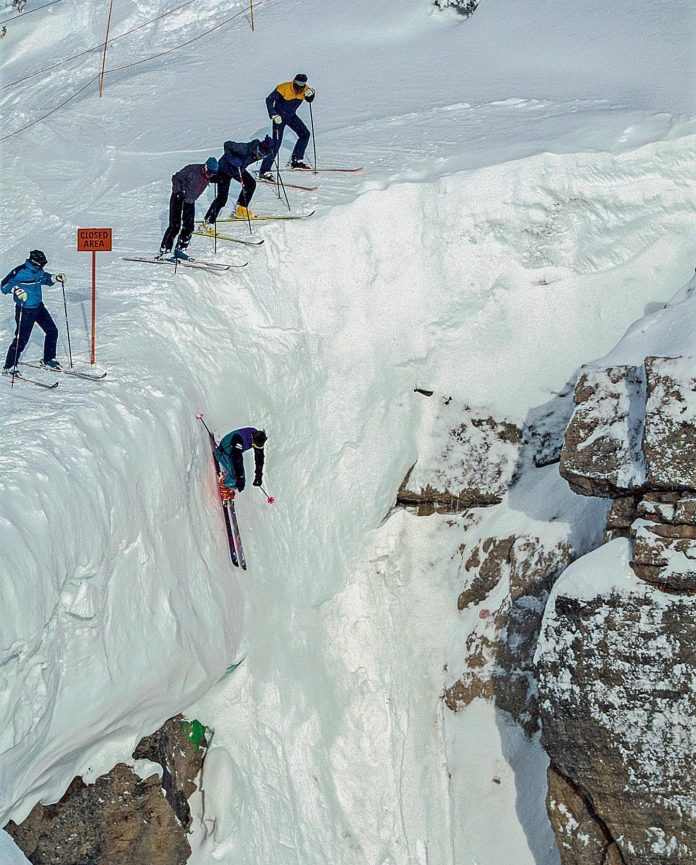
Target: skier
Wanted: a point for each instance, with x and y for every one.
(282, 105)
(233, 164)
(230, 456)
(24, 283)
(187, 185)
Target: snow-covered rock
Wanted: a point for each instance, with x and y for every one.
(617, 694)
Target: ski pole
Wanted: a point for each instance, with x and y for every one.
(199, 417)
(282, 186)
(19, 331)
(314, 141)
(269, 499)
(67, 325)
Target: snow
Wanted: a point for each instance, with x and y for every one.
(528, 193)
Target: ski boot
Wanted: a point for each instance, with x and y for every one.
(226, 494)
(51, 364)
(181, 255)
(301, 164)
(268, 175)
(241, 212)
(163, 254)
(207, 227)
(10, 370)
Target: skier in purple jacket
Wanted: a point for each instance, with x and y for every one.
(187, 186)
(230, 456)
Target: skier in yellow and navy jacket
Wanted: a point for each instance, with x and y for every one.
(282, 105)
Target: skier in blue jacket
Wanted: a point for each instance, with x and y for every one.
(25, 284)
(232, 165)
(282, 105)
(230, 455)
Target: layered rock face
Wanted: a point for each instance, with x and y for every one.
(617, 662)
(122, 819)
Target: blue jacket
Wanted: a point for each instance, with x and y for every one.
(230, 456)
(285, 100)
(29, 277)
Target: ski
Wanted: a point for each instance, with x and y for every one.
(314, 170)
(268, 218)
(225, 505)
(246, 241)
(87, 375)
(236, 535)
(21, 377)
(194, 263)
(288, 185)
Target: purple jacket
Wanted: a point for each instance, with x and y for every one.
(191, 182)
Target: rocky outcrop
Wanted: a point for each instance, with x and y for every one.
(500, 650)
(469, 461)
(121, 819)
(632, 438)
(617, 695)
(601, 455)
(617, 663)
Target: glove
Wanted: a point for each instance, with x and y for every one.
(258, 481)
(277, 119)
(241, 483)
(309, 93)
(61, 277)
(20, 294)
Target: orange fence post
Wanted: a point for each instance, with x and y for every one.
(106, 41)
(94, 240)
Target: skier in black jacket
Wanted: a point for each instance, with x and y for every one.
(187, 186)
(232, 165)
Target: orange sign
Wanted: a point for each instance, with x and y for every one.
(94, 240)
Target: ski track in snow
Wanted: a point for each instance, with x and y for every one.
(508, 227)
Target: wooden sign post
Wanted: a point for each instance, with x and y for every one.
(94, 240)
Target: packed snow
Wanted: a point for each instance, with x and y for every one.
(527, 195)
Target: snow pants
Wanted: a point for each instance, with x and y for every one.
(225, 462)
(298, 152)
(179, 210)
(29, 317)
(246, 193)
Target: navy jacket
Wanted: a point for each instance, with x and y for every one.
(29, 277)
(239, 155)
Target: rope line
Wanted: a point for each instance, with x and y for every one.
(22, 14)
(137, 62)
(98, 47)
(52, 111)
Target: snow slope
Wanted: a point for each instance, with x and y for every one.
(528, 191)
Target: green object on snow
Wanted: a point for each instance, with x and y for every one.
(195, 732)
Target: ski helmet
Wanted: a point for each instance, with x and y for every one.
(38, 258)
(300, 81)
(211, 165)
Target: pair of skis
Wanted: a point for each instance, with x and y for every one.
(309, 171)
(234, 539)
(193, 263)
(88, 376)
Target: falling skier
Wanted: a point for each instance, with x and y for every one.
(25, 283)
(232, 165)
(187, 186)
(230, 455)
(282, 105)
